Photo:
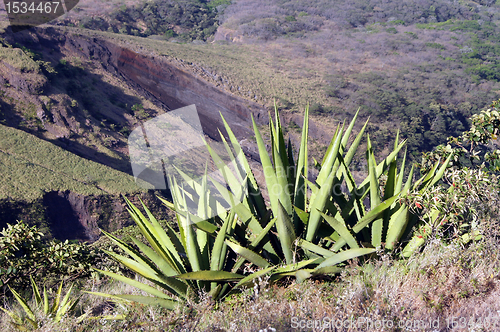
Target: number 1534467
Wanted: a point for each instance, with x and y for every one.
(33, 7)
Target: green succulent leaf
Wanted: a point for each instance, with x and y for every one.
(344, 256)
(248, 254)
(210, 276)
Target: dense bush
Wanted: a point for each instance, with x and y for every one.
(23, 253)
(187, 20)
(462, 206)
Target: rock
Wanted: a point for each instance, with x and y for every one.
(32, 83)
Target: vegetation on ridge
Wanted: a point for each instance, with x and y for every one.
(200, 261)
(184, 20)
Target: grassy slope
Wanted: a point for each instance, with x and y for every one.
(30, 166)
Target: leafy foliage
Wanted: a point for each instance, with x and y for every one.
(187, 20)
(457, 208)
(475, 147)
(23, 253)
(454, 210)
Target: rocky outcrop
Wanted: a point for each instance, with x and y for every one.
(33, 83)
(70, 217)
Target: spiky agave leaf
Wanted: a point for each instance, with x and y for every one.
(162, 261)
(56, 312)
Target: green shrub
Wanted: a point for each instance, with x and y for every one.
(318, 109)
(469, 194)
(413, 35)
(23, 253)
(170, 34)
(398, 22)
(435, 45)
(213, 4)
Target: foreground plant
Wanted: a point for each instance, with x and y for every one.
(309, 227)
(454, 209)
(172, 260)
(55, 312)
(23, 253)
(318, 221)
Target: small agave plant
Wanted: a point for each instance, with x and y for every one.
(306, 228)
(55, 311)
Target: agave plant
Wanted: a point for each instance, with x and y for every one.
(179, 263)
(56, 311)
(330, 226)
(307, 228)
(290, 206)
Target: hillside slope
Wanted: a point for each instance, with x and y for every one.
(424, 66)
(31, 166)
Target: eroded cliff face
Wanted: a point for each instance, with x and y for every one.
(168, 86)
(176, 88)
